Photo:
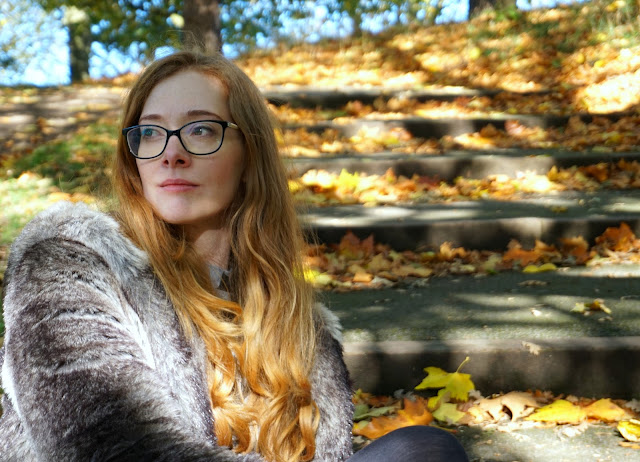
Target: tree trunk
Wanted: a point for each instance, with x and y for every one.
(476, 6)
(352, 7)
(80, 39)
(202, 25)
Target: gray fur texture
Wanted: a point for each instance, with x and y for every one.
(95, 367)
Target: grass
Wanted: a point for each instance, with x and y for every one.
(75, 164)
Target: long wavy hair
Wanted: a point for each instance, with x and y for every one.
(266, 336)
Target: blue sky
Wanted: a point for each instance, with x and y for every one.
(51, 67)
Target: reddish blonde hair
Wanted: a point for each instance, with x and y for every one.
(267, 336)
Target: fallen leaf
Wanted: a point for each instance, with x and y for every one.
(596, 305)
(566, 412)
(630, 430)
(449, 413)
(364, 411)
(456, 383)
(560, 411)
(532, 348)
(516, 253)
(540, 269)
(619, 239)
(519, 405)
(606, 411)
(413, 413)
(576, 247)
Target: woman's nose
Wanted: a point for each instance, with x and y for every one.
(174, 153)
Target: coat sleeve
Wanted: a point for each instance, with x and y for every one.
(332, 391)
(79, 379)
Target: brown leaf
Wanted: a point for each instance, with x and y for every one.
(413, 413)
(619, 239)
(519, 404)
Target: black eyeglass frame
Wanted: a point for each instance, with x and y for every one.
(225, 124)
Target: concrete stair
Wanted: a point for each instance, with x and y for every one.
(391, 334)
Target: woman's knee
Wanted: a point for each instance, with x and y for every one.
(416, 444)
(432, 439)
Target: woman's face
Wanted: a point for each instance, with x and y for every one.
(185, 189)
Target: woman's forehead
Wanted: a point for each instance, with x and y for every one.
(187, 93)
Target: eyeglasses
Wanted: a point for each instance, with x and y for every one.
(199, 138)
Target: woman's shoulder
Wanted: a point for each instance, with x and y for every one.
(77, 222)
(327, 321)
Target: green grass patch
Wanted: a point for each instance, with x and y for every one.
(77, 164)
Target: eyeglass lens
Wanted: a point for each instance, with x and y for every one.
(202, 137)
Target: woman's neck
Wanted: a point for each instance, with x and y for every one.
(213, 245)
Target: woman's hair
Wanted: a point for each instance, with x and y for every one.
(267, 335)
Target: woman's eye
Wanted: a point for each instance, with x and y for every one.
(204, 129)
(149, 132)
(201, 130)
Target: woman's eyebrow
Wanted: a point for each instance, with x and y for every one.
(150, 117)
(202, 112)
(191, 113)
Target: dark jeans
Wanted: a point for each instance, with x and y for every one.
(413, 444)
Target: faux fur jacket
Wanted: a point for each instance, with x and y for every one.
(95, 367)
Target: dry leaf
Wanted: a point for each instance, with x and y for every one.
(413, 413)
(586, 308)
(532, 348)
(565, 412)
(540, 269)
(561, 412)
(519, 404)
(449, 413)
(619, 239)
(630, 430)
(606, 411)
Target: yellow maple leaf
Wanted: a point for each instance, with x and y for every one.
(630, 430)
(539, 269)
(449, 413)
(560, 411)
(456, 383)
(434, 401)
(596, 305)
(606, 410)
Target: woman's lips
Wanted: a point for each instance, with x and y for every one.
(177, 185)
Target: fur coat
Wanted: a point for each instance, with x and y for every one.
(96, 368)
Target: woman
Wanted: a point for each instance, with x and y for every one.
(180, 328)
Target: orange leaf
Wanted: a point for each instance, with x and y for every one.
(619, 239)
(414, 413)
(576, 247)
(349, 245)
(448, 253)
(598, 171)
(517, 254)
(352, 247)
(362, 276)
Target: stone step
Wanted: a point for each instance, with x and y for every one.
(422, 127)
(332, 98)
(453, 164)
(518, 336)
(480, 224)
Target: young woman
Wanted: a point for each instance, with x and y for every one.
(180, 328)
